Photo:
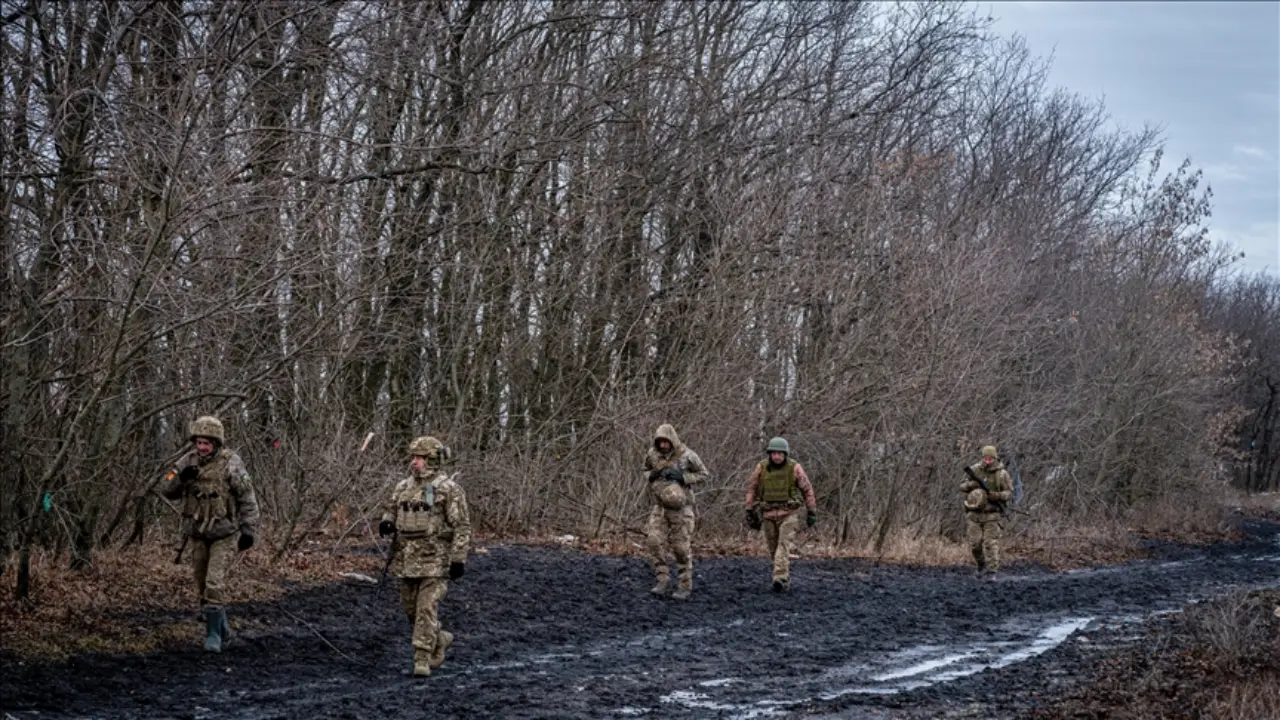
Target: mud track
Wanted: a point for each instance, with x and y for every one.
(560, 634)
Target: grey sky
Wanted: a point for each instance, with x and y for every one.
(1208, 74)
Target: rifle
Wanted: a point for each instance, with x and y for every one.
(186, 534)
(391, 553)
(999, 504)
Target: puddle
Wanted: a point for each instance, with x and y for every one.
(701, 701)
(924, 667)
(931, 664)
(898, 672)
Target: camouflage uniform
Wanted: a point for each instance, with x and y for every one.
(775, 495)
(220, 516)
(671, 517)
(983, 517)
(429, 514)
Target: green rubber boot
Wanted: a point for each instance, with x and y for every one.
(215, 623)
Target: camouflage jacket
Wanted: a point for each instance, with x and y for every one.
(1000, 485)
(433, 525)
(219, 501)
(695, 472)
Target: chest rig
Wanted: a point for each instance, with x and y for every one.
(208, 504)
(418, 509)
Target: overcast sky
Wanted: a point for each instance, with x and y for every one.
(1207, 74)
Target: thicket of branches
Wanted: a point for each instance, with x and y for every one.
(539, 229)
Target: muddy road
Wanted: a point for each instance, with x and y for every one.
(555, 633)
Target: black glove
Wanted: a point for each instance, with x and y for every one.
(189, 473)
(245, 542)
(386, 527)
(753, 519)
(456, 569)
(655, 475)
(674, 474)
(811, 518)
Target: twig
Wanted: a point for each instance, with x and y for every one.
(322, 637)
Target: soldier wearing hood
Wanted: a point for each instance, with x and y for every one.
(219, 516)
(671, 469)
(428, 513)
(984, 509)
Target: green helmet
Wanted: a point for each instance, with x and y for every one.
(436, 452)
(209, 427)
(990, 451)
(778, 445)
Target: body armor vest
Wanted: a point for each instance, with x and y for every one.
(778, 484)
(208, 503)
(416, 511)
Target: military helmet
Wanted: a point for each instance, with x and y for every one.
(207, 426)
(990, 451)
(975, 499)
(436, 452)
(778, 444)
(672, 497)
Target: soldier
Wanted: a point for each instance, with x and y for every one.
(778, 488)
(984, 509)
(217, 505)
(671, 469)
(429, 516)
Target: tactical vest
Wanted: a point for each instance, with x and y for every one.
(208, 503)
(416, 513)
(778, 484)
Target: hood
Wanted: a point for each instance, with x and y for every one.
(666, 432)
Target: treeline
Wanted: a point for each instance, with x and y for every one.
(539, 229)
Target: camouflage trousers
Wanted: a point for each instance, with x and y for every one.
(984, 543)
(673, 528)
(210, 560)
(780, 536)
(419, 597)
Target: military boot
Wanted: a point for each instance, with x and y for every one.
(214, 621)
(225, 625)
(781, 585)
(421, 663)
(443, 640)
(661, 587)
(681, 593)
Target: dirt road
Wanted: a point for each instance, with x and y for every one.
(557, 633)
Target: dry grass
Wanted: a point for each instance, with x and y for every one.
(1253, 698)
(1055, 543)
(1265, 505)
(136, 600)
(1217, 660)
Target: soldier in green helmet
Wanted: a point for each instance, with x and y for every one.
(779, 488)
(984, 509)
(428, 513)
(219, 514)
(671, 470)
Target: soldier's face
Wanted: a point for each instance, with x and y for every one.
(987, 459)
(664, 445)
(418, 463)
(204, 446)
(776, 457)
